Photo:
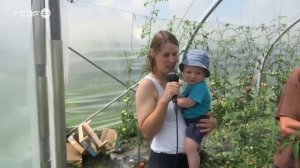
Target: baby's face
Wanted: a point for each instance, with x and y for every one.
(193, 74)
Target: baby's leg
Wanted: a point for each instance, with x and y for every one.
(191, 148)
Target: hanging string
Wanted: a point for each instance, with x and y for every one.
(184, 15)
(253, 13)
(241, 11)
(273, 8)
(131, 37)
(281, 6)
(119, 10)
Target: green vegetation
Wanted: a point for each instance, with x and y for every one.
(247, 132)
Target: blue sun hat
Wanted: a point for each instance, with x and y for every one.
(197, 58)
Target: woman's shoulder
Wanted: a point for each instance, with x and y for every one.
(146, 80)
(146, 83)
(146, 88)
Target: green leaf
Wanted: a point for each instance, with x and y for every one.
(286, 143)
(295, 149)
(293, 137)
(145, 4)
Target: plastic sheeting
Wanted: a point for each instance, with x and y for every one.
(19, 124)
(104, 32)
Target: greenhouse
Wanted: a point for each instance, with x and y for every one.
(76, 64)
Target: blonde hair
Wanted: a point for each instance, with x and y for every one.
(159, 40)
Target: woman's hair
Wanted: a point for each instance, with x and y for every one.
(159, 40)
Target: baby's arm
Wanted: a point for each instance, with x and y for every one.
(185, 102)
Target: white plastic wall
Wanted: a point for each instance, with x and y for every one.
(19, 145)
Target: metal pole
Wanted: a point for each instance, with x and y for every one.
(261, 66)
(97, 112)
(91, 62)
(202, 20)
(59, 118)
(39, 36)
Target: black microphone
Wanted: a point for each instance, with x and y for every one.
(173, 77)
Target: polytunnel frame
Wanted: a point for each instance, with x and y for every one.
(52, 147)
(261, 66)
(39, 43)
(186, 47)
(58, 85)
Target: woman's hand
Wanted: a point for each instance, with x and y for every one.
(207, 124)
(288, 126)
(171, 89)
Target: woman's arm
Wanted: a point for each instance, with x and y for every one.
(151, 110)
(288, 126)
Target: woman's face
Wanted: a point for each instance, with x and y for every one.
(167, 58)
(193, 74)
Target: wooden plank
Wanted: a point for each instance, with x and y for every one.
(93, 145)
(93, 135)
(109, 135)
(87, 144)
(80, 133)
(75, 144)
(73, 156)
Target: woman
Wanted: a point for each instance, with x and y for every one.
(155, 110)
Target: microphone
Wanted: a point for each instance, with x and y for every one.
(173, 77)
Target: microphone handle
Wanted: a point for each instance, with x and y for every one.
(173, 77)
(174, 99)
